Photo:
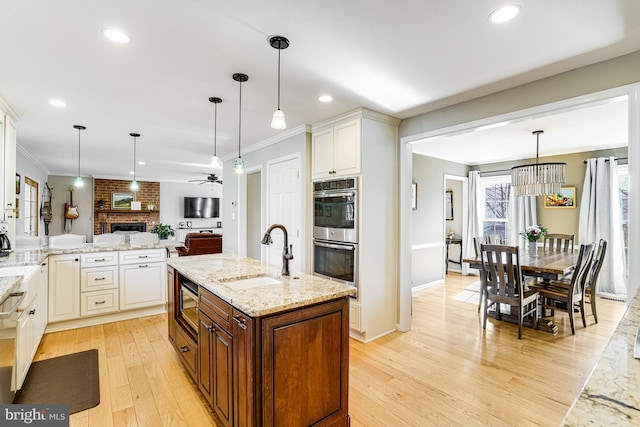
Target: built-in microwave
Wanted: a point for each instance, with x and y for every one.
(187, 309)
(335, 210)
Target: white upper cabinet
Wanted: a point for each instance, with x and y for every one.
(336, 150)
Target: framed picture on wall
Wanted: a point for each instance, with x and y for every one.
(448, 205)
(566, 198)
(121, 200)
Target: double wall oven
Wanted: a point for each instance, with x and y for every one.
(335, 230)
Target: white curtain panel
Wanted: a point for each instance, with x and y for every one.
(474, 224)
(521, 213)
(600, 218)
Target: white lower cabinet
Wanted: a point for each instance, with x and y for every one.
(99, 302)
(143, 279)
(64, 287)
(99, 283)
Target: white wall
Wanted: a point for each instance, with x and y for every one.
(172, 196)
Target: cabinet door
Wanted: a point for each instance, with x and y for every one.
(142, 285)
(222, 374)
(244, 410)
(171, 301)
(205, 356)
(322, 147)
(314, 343)
(24, 345)
(10, 170)
(347, 148)
(41, 309)
(64, 287)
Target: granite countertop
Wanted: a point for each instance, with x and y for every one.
(217, 273)
(7, 285)
(611, 396)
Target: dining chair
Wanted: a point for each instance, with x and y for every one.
(494, 239)
(594, 272)
(557, 242)
(503, 284)
(567, 295)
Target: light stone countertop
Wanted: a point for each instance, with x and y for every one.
(7, 285)
(217, 273)
(611, 395)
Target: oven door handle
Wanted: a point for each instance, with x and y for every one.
(7, 314)
(333, 246)
(340, 194)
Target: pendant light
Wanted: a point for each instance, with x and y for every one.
(78, 183)
(134, 184)
(539, 178)
(278, 121)
(238, 165)
(215, 160)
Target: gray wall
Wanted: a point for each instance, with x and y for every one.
(299, 143)
(82, 197)
(428, 225)
(26, 167)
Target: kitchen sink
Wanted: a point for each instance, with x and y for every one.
(254, 282)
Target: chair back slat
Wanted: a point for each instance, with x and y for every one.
(491, 239)
(557, 242)
(581, 272)
(596, 265)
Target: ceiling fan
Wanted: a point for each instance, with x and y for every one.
(212, 178)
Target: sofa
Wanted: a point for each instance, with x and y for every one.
(200, 244)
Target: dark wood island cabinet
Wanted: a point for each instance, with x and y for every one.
(285, 367)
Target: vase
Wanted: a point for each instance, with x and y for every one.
(533, 249)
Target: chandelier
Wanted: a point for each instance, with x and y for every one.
(539, 178)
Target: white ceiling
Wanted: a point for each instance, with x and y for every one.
(403, 60)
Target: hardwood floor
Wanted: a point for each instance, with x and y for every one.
(445, 371)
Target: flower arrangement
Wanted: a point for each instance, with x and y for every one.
(533, 233)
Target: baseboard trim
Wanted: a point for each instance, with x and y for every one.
(107, 318)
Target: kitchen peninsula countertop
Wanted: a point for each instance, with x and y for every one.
(216, 273)
(7, 285)
(611, 395)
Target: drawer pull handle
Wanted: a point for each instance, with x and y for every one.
(184, 349)
(240, 321)
(32, 312)
(211, 329)
(143, 265)
(100, 278)
(99, 259)
(143, 256)
(100, 302)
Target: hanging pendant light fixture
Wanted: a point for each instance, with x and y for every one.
(215, 160)
(134, 184)
(540, 178)
(238, 165)
(78, 183)
(278, 121)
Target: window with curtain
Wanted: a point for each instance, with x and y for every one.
(495, 194)
(623, 183)
(30, 207)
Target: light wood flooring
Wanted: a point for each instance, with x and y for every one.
(444, 372)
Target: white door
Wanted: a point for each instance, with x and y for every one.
(285, 207)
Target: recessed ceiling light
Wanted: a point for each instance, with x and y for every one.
(141, 163)
(115, 35)
(325, 98)
(57, 103)
(504, 14)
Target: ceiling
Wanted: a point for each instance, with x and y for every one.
(415, 57)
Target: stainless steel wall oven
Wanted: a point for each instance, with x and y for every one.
(335, 230)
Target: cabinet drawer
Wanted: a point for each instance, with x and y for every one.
(217, 309)
(134, 257)
(98, 259)
(187, 350)
(98, 278)
(98, 302)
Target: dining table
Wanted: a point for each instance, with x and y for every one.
(547, 265)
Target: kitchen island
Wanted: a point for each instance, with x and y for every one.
(262, 348)
(611, 395)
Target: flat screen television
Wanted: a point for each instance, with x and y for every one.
(201, 207)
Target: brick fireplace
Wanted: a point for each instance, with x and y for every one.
(103, 189)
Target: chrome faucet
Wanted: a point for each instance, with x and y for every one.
(287, 251)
